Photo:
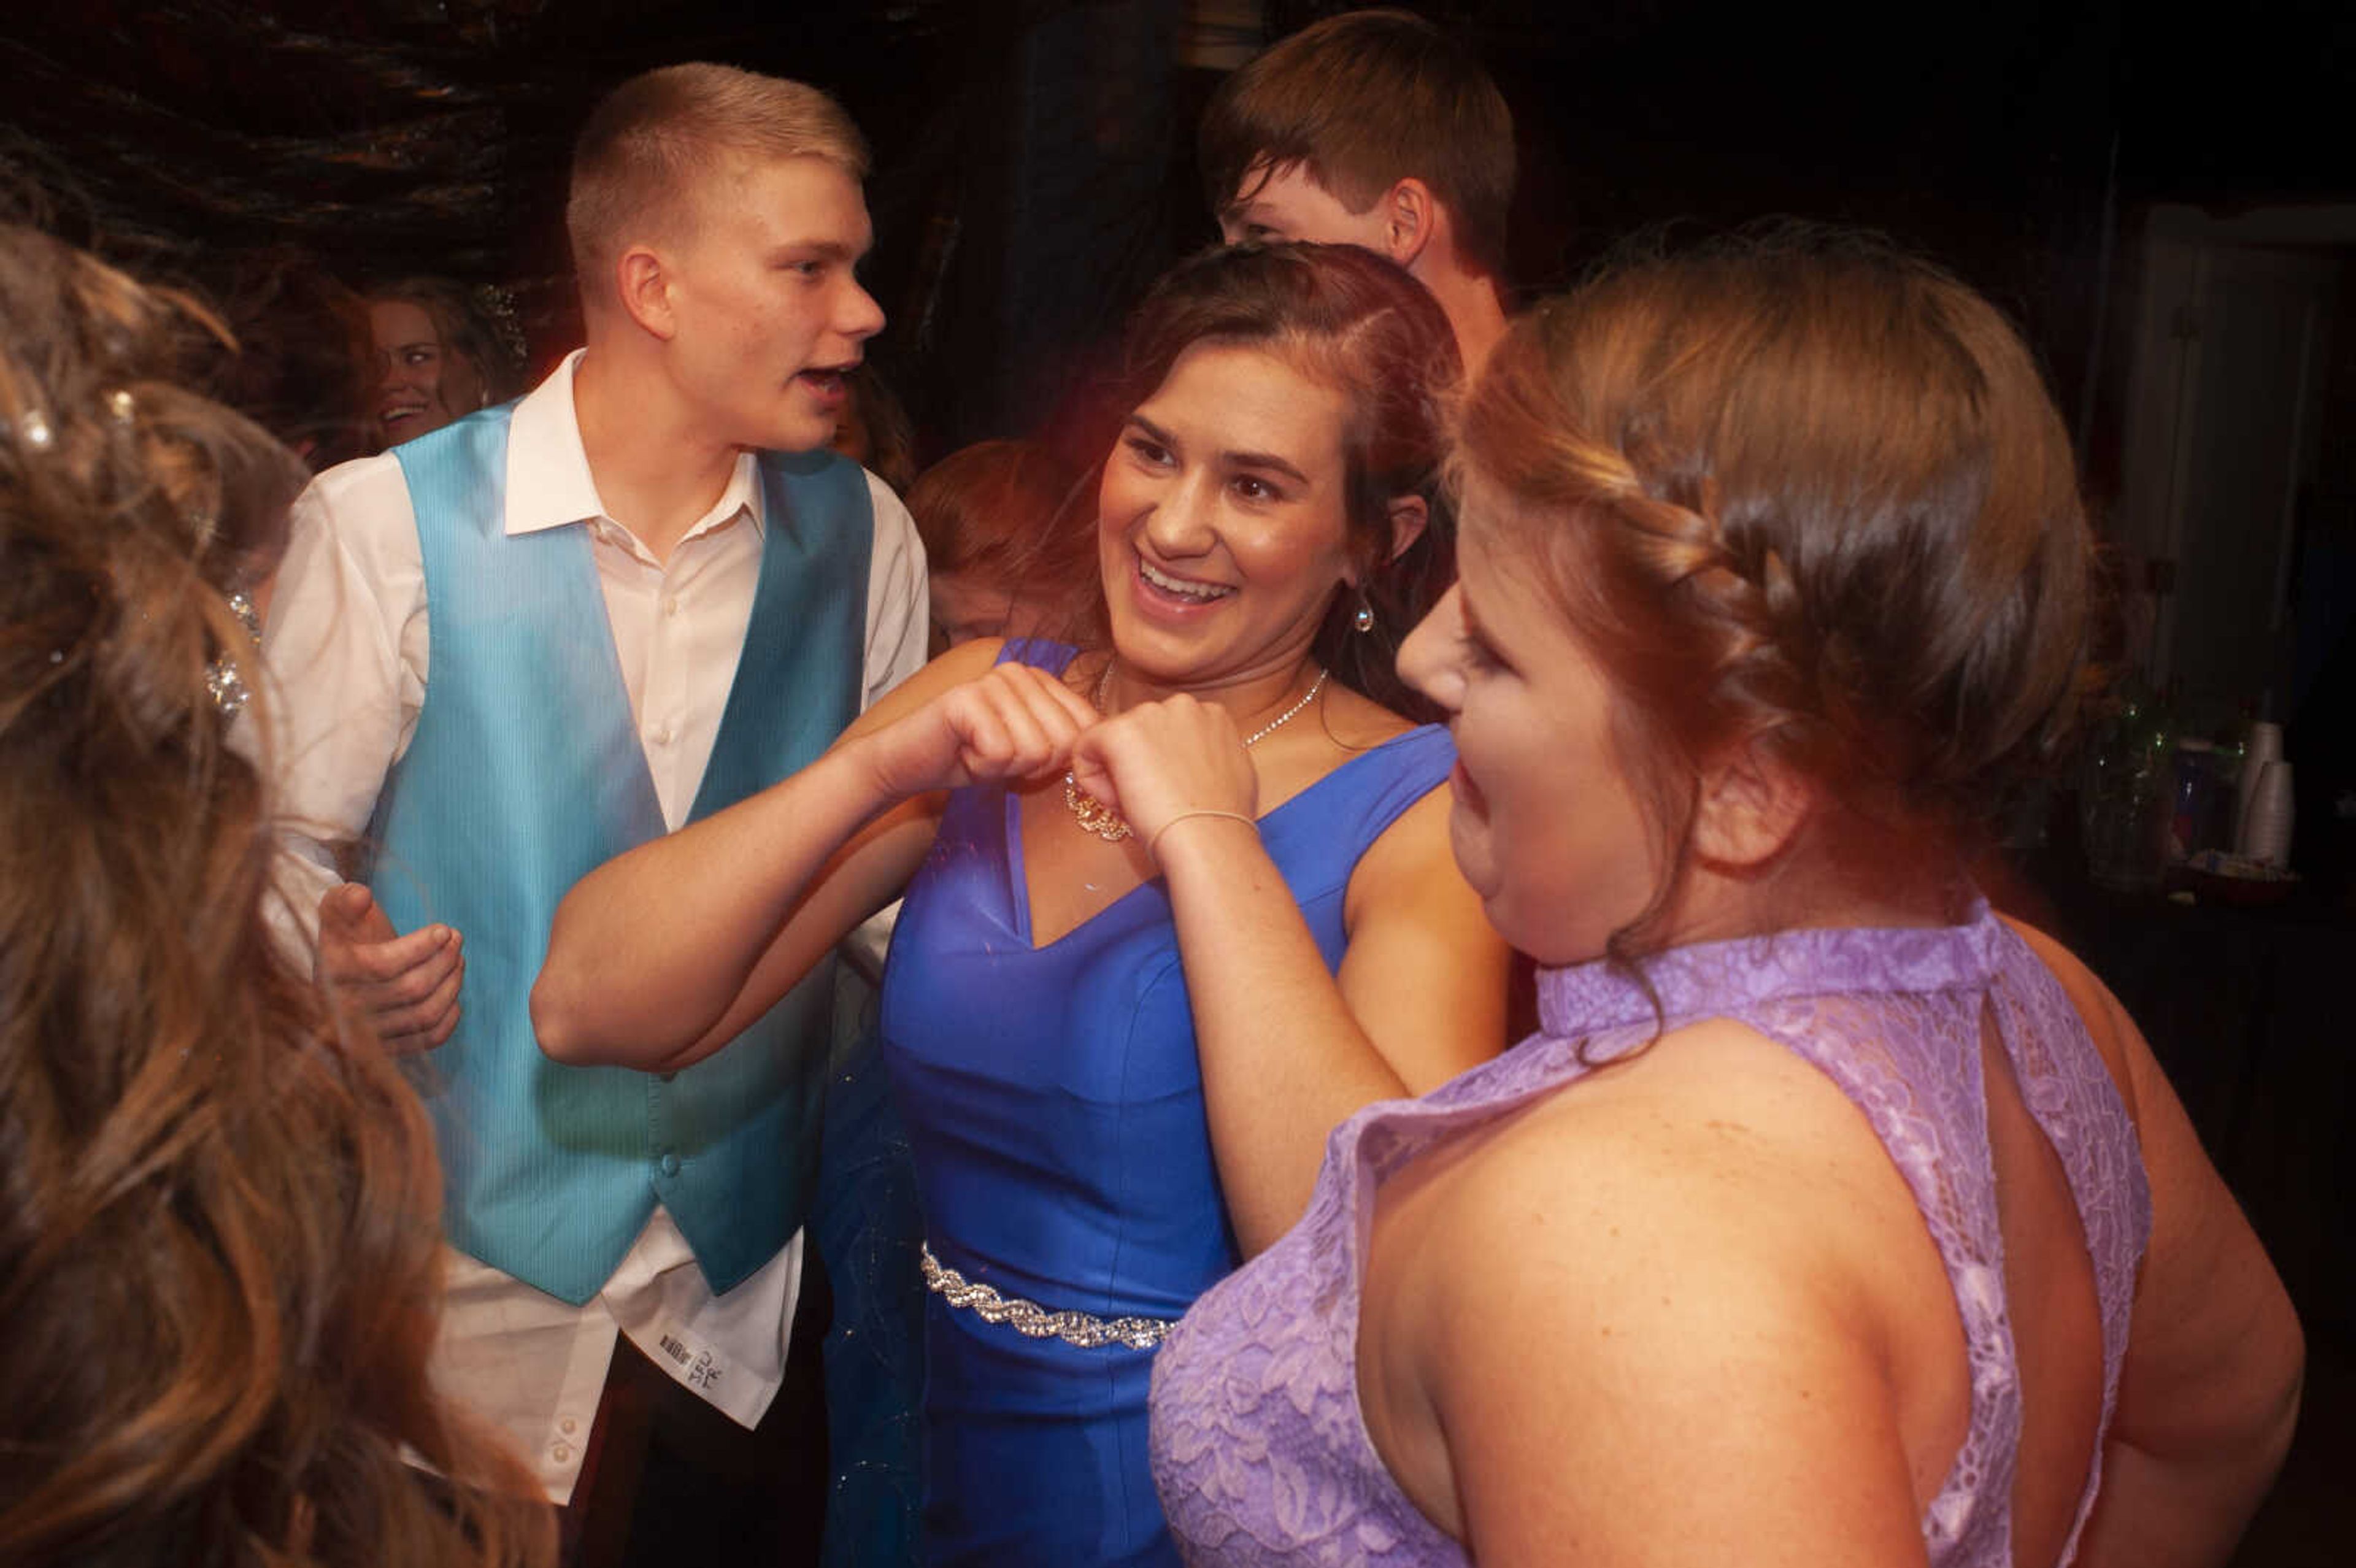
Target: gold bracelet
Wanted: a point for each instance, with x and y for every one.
(1153, 844)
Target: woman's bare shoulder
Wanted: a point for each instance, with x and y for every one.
(965, 662)
(1358, 722)
(1701, 1237)
(1713, 1130)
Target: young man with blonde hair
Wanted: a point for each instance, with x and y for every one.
(1374, 129)
(522, 643)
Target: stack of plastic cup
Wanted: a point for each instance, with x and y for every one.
(2265, 825)
(2266, 746)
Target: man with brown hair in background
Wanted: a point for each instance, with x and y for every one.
(1374, 129)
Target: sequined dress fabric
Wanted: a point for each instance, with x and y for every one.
(1258, 1447)
(1054, 1106)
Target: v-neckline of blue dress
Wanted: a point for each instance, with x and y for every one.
(1018, 877)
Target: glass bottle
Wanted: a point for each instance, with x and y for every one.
(2126, 796)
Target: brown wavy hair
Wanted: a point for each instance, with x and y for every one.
(1798, 490)
(301, 366)
(1349, 320)
(219, 1255)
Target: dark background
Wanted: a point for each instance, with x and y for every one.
(1034, 161)
(1035, 169)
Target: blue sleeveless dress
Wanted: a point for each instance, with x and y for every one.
(1054, 1108)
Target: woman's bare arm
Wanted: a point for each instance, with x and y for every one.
(2210, 1390)
(1288, 1050)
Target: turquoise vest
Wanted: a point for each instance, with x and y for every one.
(523, 775)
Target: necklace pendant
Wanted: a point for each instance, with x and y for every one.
(1093, 814)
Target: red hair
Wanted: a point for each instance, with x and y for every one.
(1005, 512)
(1807, 494)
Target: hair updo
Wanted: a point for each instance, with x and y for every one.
(219, 1215)
(1349, 320)
(1802, 492)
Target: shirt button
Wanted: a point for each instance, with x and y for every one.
(670, 605)
(561, 1453)
(662, 736)
(671, 1165)
(568, 1426)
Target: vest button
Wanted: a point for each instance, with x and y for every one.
(671, 1165)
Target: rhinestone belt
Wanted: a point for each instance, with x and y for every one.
(1034, 1321)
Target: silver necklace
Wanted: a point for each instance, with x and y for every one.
(1103, 820)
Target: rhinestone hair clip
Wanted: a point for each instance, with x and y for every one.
(223, 677)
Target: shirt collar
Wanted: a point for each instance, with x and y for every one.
(549, 482)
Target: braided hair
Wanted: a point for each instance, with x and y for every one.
(1800, 492)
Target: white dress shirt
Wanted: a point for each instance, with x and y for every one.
(346, 651)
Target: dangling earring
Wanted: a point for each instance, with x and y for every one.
(1363, 621)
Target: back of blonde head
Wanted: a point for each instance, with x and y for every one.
(637, 161)
(220, 1216)
(1803, 492)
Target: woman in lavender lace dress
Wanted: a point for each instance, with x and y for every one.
(1829, 1219)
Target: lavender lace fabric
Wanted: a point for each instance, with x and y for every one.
(1259, 1448)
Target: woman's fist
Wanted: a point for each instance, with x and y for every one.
(1015, 722)
(1160, 761)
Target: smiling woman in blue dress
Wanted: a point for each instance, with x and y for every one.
(1139, 866)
